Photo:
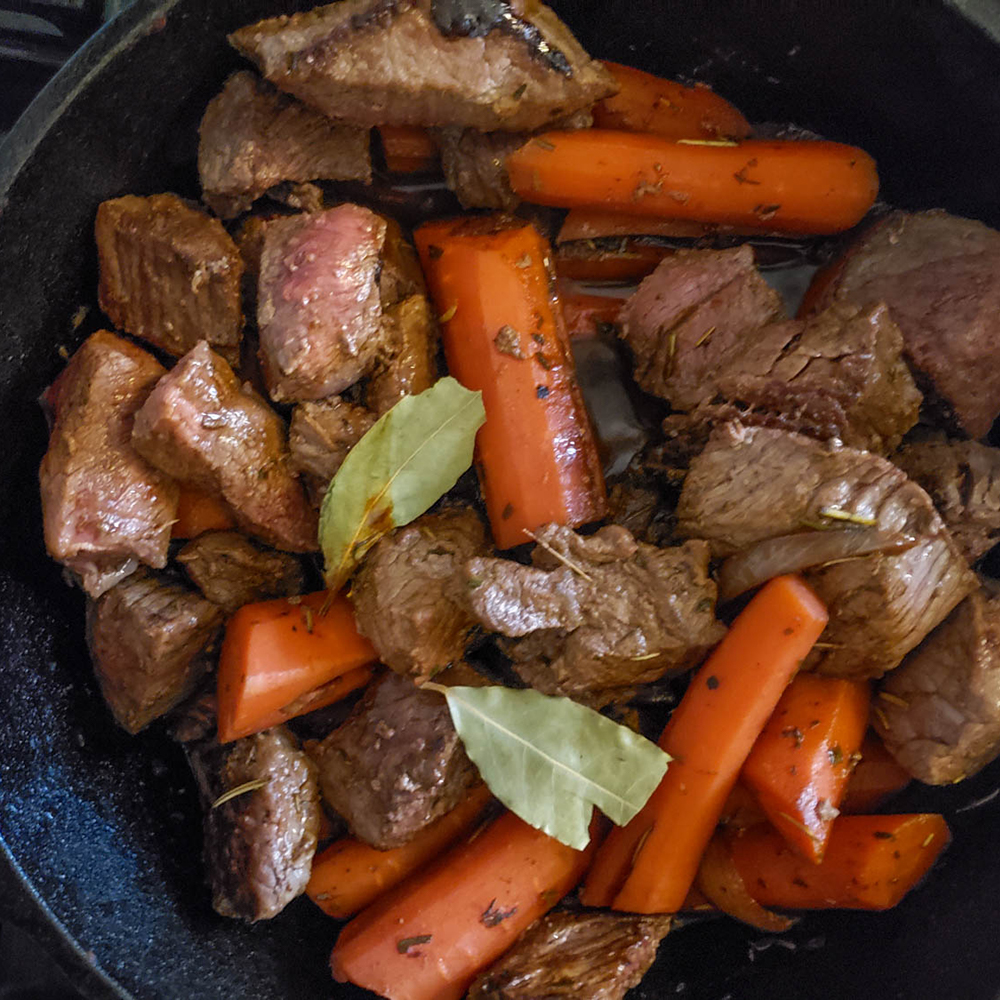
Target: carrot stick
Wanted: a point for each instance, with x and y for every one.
(504, 335)
(647, 103)
(629, 263)
(871, 862)
(648, 866)
(585, 313)
(275, 652)
(429, 937)
(787, 186)
(799, 766)
(198, 512)
(596, 224)
(350, 874)
(325, 695)
(408, 149)
(876, 776)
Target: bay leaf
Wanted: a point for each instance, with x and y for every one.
(551, 760)
(405, 463)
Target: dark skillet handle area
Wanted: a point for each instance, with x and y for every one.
(99, 832)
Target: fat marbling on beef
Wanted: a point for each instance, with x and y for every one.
(387, 62)
(104, 508)
(395, 765)
(169, 273)
(751, 484)
(151, 642)
(202, 426)
(597, 615)
(253, 137)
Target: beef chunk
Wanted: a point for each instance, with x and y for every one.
(696, 313)
(579, 956)
(963, 479)
(320, 437)
(169, 274)
(475, 169)
(151, 642)
(387, 63)
(939, 713)
(600, 613)
(201, 426)
(755, 483)
(104, 508)
(940, 277)
(253, 137)
(259, 845)
(395, 765)
(636, 503)
(408, 365)
(231, 570)
(319, 309)
(410, 594)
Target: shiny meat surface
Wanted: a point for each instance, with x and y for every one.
(474, 167)
(409, 365)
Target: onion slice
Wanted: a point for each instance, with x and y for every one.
(773, 557)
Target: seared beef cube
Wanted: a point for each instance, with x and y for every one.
(319, 309)
(395, 765)
(577, 955)
(169, 274)
(939, 713)
(410, 593)
(151, 642)
(475, 168)
(374, 63)
(259, 845)
(696, 313)
(940, 277)
(231, 570)
(963, 480)
(600, 613)
(254, 137)
(408, 367)
(638, 505)
(201, 426)
(104, 508)
(401, 274)
(750, 484)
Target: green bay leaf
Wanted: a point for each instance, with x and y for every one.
(551, 760)
(408, 460)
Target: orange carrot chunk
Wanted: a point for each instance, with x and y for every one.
(877, 776)
(276, 652)
(504, 335)
(408, 149)
(350, 874)
(428, 938)
(198, 512)
(786, 186)
(586, 313)
(871, 863)
(630, 262)
(647, 103)
(800, 765)
(649, 865)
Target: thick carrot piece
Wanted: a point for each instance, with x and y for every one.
(877, 776)
(631, 262)
(786, 186)
(647, 103)
(321, 697)
(504, 334)
(349, 874)
(801, 763)
(649, 865)
(596, 224)
(429, 937)
(871, 863)
(408, 149)
(276, 652)
(586, 313)
(198, 512)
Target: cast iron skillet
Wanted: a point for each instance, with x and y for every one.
(100, 832)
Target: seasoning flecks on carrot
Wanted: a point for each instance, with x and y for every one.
(877, 776)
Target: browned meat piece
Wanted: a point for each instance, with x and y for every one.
(387, 63)
(755, 483)
(401, 275)
(940, 277)
(408, 367)
(259, 846)
(939, 713)
(319, 309)
(579, 956)
(963, 479)
(104, 508)
(638, 505)
(231, 570)
(600, 613)
(169, 274)
(395, 765)
(254, 137)
(201, 426)
(151, 643)
(410, 594)
(320, 437)
(698, 310)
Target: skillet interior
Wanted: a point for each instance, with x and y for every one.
(102, 830)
